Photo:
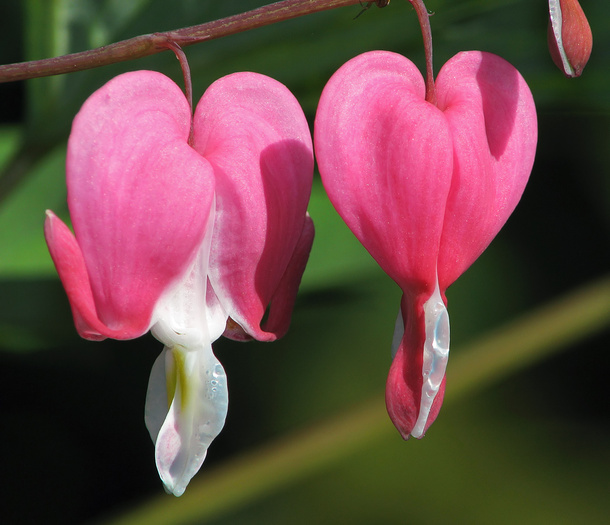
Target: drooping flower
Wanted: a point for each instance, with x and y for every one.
(425, 188)
(569, 36)
(188, 241)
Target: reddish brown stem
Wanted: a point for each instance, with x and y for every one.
(424, 21)
(188, 84)
(150, 44)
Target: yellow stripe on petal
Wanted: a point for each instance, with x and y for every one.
(177, 378)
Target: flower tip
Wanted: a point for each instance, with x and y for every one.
(49, 219)
(403, 405)
(174, 489)
(407, 421)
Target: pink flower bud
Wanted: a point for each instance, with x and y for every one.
(569, 36)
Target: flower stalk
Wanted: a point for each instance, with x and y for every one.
(424, 21)
(146, 45)
(188, 84)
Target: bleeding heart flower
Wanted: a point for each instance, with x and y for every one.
(569, 36)
(185, 240)
(425, 188)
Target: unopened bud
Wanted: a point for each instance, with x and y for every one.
(569, 36)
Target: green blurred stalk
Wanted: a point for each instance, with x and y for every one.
(523, 342)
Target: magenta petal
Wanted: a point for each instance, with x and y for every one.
(253, 132)
(139, 195)
(385, 159)
(282, 303)
(492, 117)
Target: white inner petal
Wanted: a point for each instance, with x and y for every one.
(436, 354)
(194, 384)
(557, 25)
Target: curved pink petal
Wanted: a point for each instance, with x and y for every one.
(492, 119)
(68, 260)
(253, 132)
(282, 303)
(385, 158)
(139, 196)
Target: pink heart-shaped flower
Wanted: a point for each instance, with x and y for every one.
(425, 188)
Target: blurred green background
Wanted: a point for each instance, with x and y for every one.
(531, 447)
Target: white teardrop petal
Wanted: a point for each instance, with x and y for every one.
(195, 417)
(436, 355)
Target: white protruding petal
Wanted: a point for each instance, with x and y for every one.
(436, 355)
(196, 383)
(181, 317)
(556, 17)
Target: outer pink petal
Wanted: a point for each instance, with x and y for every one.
(282, 303)
(254, 133)
(492, 118)
(68, 259)
(139, 196)
(385, 159)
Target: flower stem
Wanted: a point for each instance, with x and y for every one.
(424, 21)
(188, 84)
(150, 44)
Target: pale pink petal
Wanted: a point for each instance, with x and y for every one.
(492, 118)
(139, 195)
(253, 132)
(385, 158)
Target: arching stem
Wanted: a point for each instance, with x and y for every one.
(145, 45)
(424, 22)
(188, 85)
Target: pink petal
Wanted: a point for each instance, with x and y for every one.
(492, 118)
(253, 132)
(282, 303)
(139, 196)
(68, 259)
(385, 158)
